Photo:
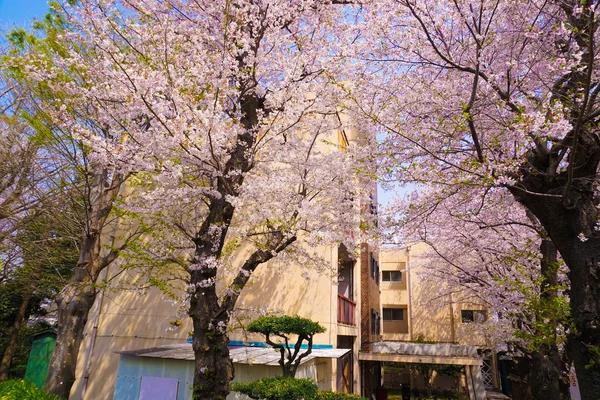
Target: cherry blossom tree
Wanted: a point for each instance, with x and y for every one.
(228, 113)
(498, 94)
(84, 186)
(485, 250)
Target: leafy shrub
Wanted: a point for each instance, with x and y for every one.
(22, 390)
(338, 396)
(280, 388)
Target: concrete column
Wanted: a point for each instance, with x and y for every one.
(469, 377)
(475, 383)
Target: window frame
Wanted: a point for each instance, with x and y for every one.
(393, 311)
(390, 272)
(476, 316)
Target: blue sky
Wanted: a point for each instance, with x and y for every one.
(20, 12)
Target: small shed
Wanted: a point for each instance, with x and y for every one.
(39, 357)
(166, 372)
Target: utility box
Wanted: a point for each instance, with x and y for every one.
(39, 357)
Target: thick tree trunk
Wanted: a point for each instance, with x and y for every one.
(74, 304)
(213, 370)
(11, 347)
(77, 298)
(571, 228)
(547, 371)
(546, 375)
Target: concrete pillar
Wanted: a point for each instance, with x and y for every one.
(469, 377)
(475, 382)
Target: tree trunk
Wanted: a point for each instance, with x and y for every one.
(77, 298)
(11, 347)
(547, 369)
(213, 370)
(74, 304)
(571, 228)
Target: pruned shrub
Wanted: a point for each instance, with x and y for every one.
(287, 388)
(280, 388)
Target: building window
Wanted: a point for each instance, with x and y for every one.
(375, 323)
(393, 314)
(374, 268)
(391, 276)
(469, 316)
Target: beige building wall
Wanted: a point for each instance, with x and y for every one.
(130, 320)
(429, 313)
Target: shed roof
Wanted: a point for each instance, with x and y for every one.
(239, 355)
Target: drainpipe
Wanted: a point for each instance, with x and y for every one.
(409, 287)
(410, 310)
(452, 320)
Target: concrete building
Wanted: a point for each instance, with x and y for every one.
(123, 322)
(135, 342)
(422, 323)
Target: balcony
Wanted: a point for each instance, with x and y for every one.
(346, 310)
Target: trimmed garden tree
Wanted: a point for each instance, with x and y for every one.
(287, 328)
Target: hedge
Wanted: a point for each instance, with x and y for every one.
(287, 388)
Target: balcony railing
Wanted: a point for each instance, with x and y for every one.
(346, 310)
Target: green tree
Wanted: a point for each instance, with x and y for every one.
(44, 253)
(285, 327)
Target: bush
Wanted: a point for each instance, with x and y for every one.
(287, 388)
(22, 390)
(280, 388)
(338, 396)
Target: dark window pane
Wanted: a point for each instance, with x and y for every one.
(393, 314)
(467, 315)
(387, 314)
(392, 276)
(397, 314)
(474, 316)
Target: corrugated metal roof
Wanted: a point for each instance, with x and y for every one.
(239, 355)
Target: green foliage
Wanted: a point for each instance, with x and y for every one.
(285, 325)
(21, 390)
(46, 256)
(280, 388)
(420, 338)
(288, 388)
(327, 395)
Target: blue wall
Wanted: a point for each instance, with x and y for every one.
(132, 368)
